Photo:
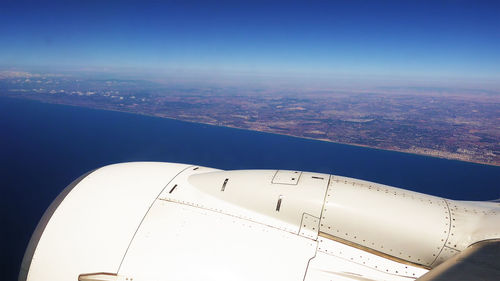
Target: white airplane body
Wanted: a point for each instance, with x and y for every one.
(148, 221)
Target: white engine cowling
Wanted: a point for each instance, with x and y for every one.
(163, 221)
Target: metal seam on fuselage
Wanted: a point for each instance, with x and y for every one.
(227, 214)
(275, 173)
(309, 261)
(324, 201)
(319, 225)
(142, 220)
(298, 179)
(449, 230)
(375, 268)
(296, 184)
(369, 250)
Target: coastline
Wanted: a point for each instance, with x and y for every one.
(254, 130)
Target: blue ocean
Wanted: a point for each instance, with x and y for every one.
(43, 147)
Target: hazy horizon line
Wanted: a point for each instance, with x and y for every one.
(283, 78)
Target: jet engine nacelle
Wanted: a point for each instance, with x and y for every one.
(163, 221)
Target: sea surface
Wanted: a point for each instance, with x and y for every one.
(43, 147)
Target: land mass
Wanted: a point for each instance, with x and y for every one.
(447, 123)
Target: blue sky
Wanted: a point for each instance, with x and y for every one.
(432, 39)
